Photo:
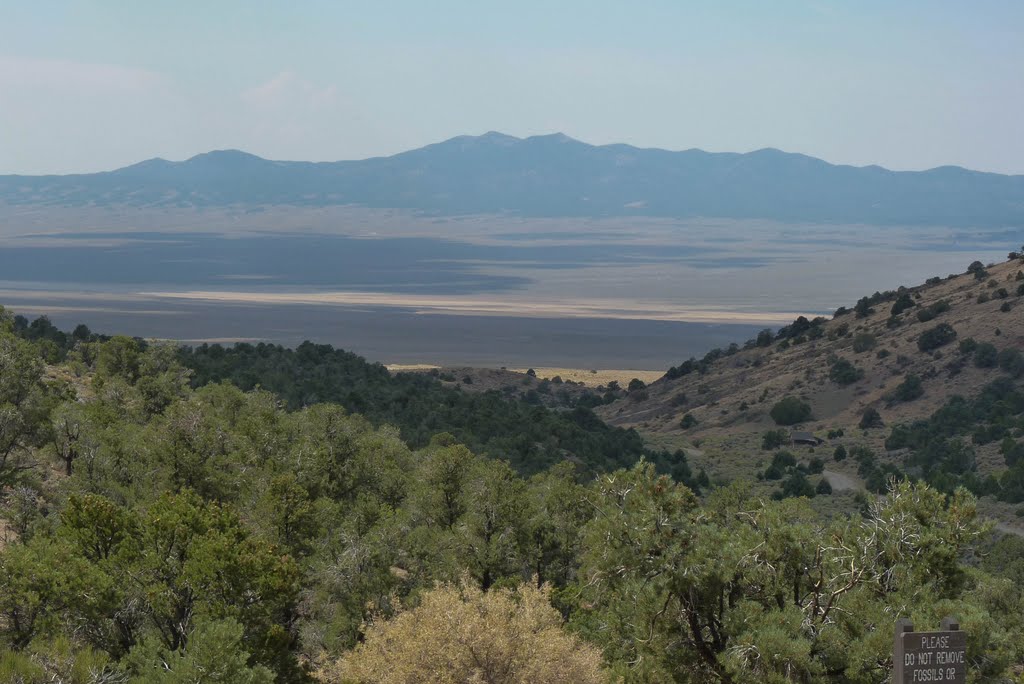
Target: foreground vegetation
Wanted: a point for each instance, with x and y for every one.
(159, 532)
(528, 435)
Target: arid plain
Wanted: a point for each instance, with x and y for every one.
(405, 287)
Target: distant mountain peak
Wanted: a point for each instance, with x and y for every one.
(555, 138)
(504, 140)
(499, 137)
(154, 163)
(230, 156)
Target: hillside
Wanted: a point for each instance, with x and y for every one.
(553, 176)
(553, 387)
(515, 427)
(729, 396)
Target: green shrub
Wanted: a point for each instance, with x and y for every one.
(841, 331)
(795, 485)
(908, 390)
(936, 337)
(773, 439)
(688, 421)
(844, 373)
(928, 313)
(790, 411)
(839, 454)
(903, 303)
(863, 308)
(1012, 362)
(986, 355)
(863, 342)
(783, 459)
(871, 419)
(823, 488)
(968, 345)
(18, 667)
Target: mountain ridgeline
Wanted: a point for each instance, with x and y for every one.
(554, 176)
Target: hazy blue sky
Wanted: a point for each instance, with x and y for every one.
(93, 85)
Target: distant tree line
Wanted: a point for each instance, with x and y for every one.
(529, 436)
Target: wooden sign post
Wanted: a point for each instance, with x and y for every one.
(929, 656)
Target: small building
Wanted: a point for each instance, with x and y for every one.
(805, 438)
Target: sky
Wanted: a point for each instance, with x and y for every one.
(96, 85)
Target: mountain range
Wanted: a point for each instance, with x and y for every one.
(554, 176)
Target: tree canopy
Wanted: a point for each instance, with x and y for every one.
(158, 529)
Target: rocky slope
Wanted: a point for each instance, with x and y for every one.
(841, 368)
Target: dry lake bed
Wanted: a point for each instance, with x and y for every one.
(489, 291)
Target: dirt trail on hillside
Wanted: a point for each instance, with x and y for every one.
(840, 482)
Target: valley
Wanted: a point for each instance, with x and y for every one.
(511, 343)
(568, 292)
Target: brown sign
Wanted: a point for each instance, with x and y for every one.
(929, 656)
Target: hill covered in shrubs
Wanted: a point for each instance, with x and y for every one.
(925, 382)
